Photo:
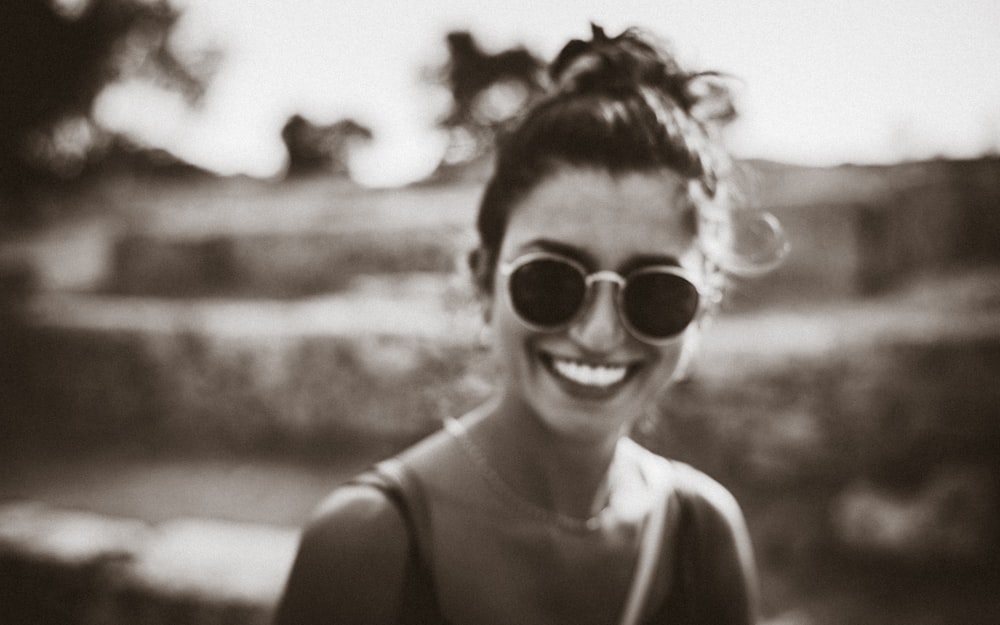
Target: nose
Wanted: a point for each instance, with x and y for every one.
(598, 328)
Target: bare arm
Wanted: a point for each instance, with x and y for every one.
(350, 564)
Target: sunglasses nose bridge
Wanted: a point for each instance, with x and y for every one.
(598, 326)
(605, 276)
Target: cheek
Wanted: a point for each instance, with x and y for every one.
(507, 333)
(668, 359)
(671, 361)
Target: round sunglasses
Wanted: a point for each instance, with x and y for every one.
(548, 291)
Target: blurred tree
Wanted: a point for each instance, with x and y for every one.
(56, 56)
(487, 90)
(314, 149)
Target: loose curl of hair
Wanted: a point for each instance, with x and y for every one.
(618, 104)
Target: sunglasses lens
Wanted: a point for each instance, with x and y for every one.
(659, 304)
(547, 292)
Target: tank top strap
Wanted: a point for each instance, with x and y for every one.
(419, 604)
(666, 480)
(411, 500)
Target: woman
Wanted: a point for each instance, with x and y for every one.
(594, 268)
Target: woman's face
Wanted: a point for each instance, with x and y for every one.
(592, 378)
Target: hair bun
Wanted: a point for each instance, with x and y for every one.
(614, 63)
(633, 60)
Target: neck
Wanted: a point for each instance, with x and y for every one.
(568, 476)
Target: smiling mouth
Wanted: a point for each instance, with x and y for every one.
(589, 375)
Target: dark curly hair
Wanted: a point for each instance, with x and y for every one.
(618, 104)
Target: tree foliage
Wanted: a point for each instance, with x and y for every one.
(56, 56)
(487, 90)
(316, 149)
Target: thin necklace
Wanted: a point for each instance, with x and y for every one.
(461, 434)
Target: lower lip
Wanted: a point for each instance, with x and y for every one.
(584, 391)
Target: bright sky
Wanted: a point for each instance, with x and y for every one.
(824, 82)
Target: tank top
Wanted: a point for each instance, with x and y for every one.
(419, 596)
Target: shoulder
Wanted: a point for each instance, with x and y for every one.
(352, 513)
(350, 562)
(712, 515)
(704, 494)
(694, 486)
(701, 496)
(716, 551)
(716, 577)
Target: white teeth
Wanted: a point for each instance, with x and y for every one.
(601, 375)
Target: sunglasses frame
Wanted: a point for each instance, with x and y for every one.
(508, 268)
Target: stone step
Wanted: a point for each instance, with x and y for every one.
(278, 265)
(295, 239)
(379, 363)
(67, 566)
(241, 237)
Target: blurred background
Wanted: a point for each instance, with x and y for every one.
(230, 277)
